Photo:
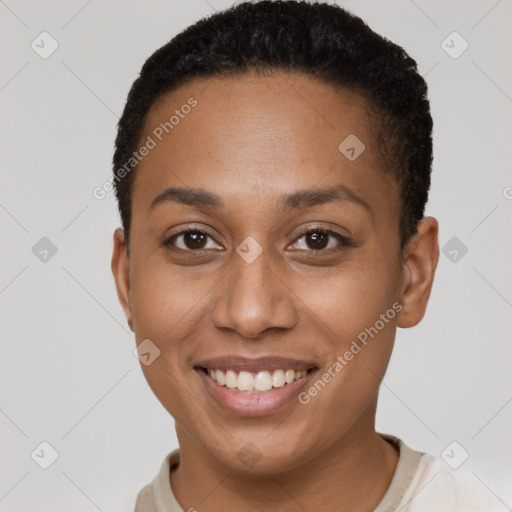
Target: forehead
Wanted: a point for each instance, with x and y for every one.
(266, 134)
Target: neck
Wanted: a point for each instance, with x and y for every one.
(353, 475)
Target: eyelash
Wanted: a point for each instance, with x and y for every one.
(344, 241)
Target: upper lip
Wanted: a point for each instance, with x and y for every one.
(252, 364)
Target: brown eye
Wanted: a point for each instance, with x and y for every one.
(191, 240)
(194, 240)
(320, 240)
(317, 240)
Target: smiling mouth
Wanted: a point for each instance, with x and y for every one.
(255, 382)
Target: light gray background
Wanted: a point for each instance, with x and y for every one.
(68, 374)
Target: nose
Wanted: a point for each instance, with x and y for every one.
(253, 299)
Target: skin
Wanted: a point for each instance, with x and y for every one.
(250, 140)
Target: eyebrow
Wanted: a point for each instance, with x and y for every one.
(307, 198)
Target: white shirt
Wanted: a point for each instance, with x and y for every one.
(421, 483)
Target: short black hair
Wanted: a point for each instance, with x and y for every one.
(322, 40)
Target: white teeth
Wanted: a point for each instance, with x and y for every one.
(245, 381)
(221, 378)
(263, 381)
(278, 379)
(248, 382)
(231, 379)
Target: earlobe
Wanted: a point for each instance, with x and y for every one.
(421, 255)
(121, 270)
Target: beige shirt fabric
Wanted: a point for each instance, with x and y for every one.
(421, 483)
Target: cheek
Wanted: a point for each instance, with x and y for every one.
(165, 298)
(359, 322)
(358, 310)
(166, 307)
(349, 300)
(358, 344)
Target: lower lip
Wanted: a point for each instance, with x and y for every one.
(254, 404)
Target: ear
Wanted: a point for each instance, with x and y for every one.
(121, 270)
(420, 258)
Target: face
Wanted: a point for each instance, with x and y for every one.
(257, 247)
